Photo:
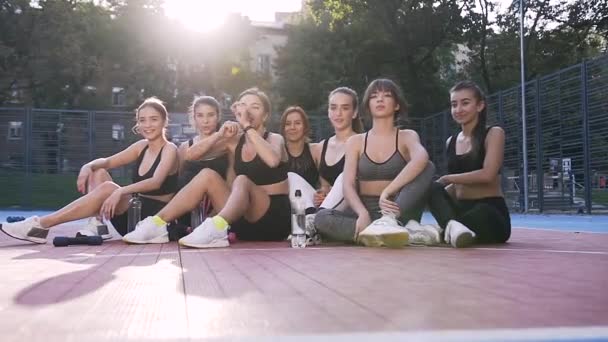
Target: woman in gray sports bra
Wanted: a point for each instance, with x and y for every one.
(387, 176)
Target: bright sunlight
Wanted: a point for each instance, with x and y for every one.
(206, 15)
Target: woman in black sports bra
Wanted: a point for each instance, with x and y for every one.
(387, 177)
(468, 202)
(256, 206)
(302, 164)
(345, 119)
(204, 115)
(154, 178)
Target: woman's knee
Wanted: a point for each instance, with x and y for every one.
(106, 188)
(207, 174)
(323, 218)
(241, 181)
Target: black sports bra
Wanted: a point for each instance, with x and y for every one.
(330, 173)
(169, 185)
(467, 162)
(304, 165)
(256, 169)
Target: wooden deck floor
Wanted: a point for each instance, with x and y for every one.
(116, 291)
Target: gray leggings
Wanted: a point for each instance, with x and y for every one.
(335, 225)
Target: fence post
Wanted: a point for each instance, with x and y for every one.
(586, 138)
(445, 134)
(540, 179)
(500, 115)
(27, 193)
(91, 125)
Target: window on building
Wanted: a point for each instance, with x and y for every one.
(264, 64)
(15, 130)
(118, 132)
(119, 97)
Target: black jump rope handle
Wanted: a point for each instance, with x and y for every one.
(63, 241)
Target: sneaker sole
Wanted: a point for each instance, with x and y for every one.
(160, 239)
(33, 240)
(395, 240)
(464, 240)
(214, 244)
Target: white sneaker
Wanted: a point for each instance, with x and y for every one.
(384, 231)
(427, 235)
(458, 235)
(147, 231)
(206, 235)
(94, 227)
(26, 230)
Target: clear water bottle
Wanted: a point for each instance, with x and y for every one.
(298, 221)
(134, 212)
(196, 216)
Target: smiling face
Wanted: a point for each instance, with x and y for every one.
(150, 123)
(294, 129)
(341, 111)
(206, 118)
(465, 106)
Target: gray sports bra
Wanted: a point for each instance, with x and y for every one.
(369, 170)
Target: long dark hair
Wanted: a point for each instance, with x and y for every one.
(384, 84)
(357, 124)
(479, 132)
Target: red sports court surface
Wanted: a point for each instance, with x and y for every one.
(553, 282)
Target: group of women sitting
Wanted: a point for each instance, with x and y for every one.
(360, 187)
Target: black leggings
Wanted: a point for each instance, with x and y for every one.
(487, 217)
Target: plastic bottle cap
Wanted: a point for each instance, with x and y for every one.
(298, 193)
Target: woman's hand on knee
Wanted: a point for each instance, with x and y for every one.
(108, 208)
(362, 222)
(84, 177)
(319, 197)
(386, 205)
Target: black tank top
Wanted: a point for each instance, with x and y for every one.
(467, 162)
(304, 165)
(256, 170)
(218, 164)
(330, 173)
(169, 185)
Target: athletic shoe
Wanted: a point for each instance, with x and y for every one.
(384, 231)
(458, 235)
(94, 227)
(26, 230)
(147, 231)
(427, 235)
(206, 235)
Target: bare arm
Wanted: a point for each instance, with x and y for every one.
(495, 145)
(272, 152)
(353, 146)
(121, 158)
(419, 159)
(213, 143)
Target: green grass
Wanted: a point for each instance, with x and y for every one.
(599, 196)
(48, 191)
